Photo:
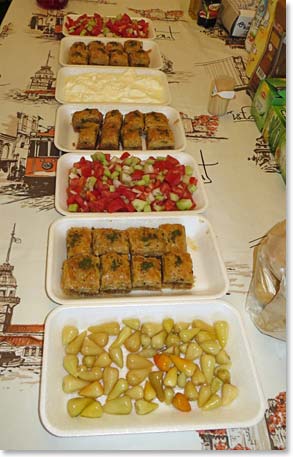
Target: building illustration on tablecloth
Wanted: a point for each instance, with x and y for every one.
(233, 66)
(220, 33)
(203, 126)
(48, 23)
(276, 421)
(40, 88)
(29, 158)
(158, 14)
(5, 30)
(20, 345)
(228, 439)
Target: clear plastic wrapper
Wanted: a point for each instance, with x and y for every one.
(266, 299)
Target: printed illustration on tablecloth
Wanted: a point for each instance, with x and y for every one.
(28, 160)
(220, 33)
(174, 77)
(275, 417)
(224, 439)
(201, 127)
(21, 346)
(41, 87)
(243, 115)
(47, 24)
(165, 32)
(233, 66)
(262, 157)
(5, 30)
(158, 14)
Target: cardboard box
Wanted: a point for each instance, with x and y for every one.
(273, 59)
(235, 19)
(270, 92)
(275, 126)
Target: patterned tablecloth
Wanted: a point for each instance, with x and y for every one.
(245, 190)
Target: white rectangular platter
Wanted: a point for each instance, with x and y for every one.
(211, 280)
(245, 411)
(66, 138)
(151, 34)
(66, 162)
(147, 45)
(112, 85)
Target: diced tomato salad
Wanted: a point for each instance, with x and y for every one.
(96, 25)
(129, 184)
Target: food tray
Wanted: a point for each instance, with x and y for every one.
(66, 161)
(151, 34)
(66, 137)
(247, 410)
(208, 266)
(121, 75)
(147, 45)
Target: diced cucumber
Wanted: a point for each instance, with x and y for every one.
(191, 188)
(90, 182)
(83, 32)
(184, 204)
(138, 204)
(73, 208)
(174, 197)
(115, 174)
(158, 207)
(107, 172)
(147, 208)
(146, 179)
(188, 170)
(140, 182)
(138, 167)
(100, 156)
(112, 188)
(185, 179)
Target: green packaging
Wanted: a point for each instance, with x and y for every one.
(275, 126)
(280, 155)
(270, 92)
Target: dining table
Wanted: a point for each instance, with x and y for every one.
(245, 190)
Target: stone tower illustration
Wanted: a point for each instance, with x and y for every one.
(8, 286)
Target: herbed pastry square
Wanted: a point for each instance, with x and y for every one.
(118, 58)
(174, 236)
(146, 272)
(134, 120)
(131, 138)
(146, 241)
(87, 138)
(160, 138)
(93, 45)
(177, 271)
(78, 241)
(81, 275)
(114, 46)
(109, 138)
(155, 119)
(98, 57)
(78, 54)
(86, 117)
(113, 118)
(139, 58)
(106, 240)
(132, 45)
(115, 273)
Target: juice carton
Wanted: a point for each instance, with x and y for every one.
(270, 92)
(275, 126)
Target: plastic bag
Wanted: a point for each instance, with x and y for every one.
(266, 299)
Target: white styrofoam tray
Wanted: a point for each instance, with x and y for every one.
(151, 34)
(125, 78)
(66, 138)
(66, 162)
(147, 45)
(211, 279)
(247, 410)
